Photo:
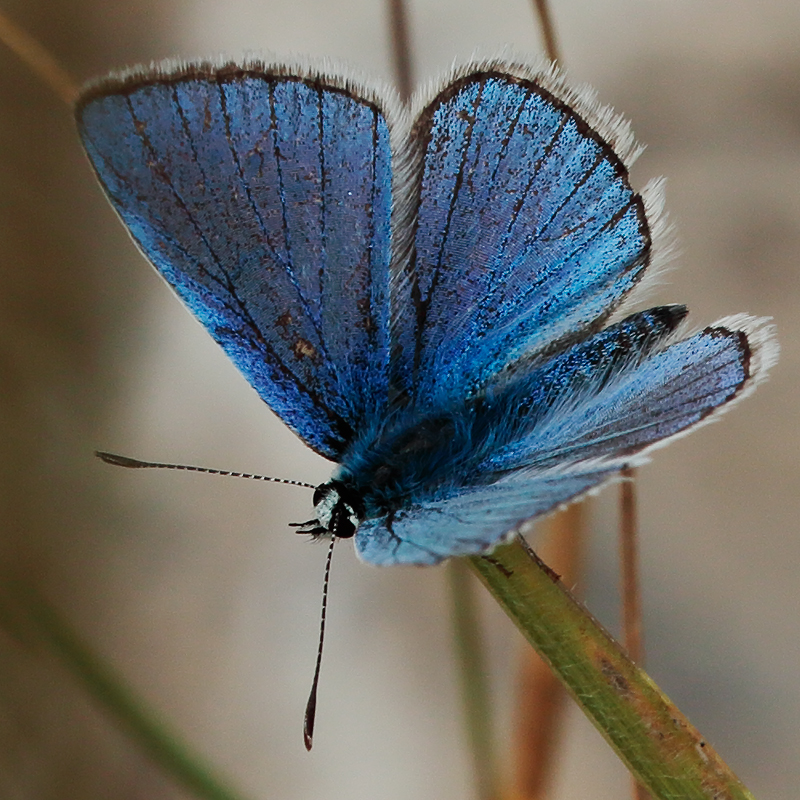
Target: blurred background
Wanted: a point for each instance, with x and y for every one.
(195, 589)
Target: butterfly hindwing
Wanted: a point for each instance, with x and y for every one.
(549, 436)
(640, 404)
(527, 232)
(264, 199)
(468, 522)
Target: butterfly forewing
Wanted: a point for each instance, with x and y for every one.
(527, 233)
(264, 200)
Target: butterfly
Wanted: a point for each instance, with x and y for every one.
(428, 296)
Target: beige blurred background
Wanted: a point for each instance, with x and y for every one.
(196, 590)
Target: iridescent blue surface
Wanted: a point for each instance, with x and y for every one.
(427, 311)
(265, 204)
(527, 232)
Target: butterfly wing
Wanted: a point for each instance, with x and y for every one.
(264, 199)
(639, 402)
(467, 523)
(526, 233)
(571, 425)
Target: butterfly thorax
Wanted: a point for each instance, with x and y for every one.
(408, 456)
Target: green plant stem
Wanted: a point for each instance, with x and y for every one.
(25, 614)
(474, 684)
(656, 742)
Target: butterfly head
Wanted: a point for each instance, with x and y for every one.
(339, 510)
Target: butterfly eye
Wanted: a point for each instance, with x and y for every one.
(320, 493)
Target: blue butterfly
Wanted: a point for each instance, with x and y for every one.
(424, 296)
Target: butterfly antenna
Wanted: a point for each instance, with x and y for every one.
(133, 463)
(311, 705)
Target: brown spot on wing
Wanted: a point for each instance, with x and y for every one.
(302, 348)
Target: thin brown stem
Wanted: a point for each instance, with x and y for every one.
(542, 10)
(629, 568)
(401, 48)
(630, 583)
(38, 59)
